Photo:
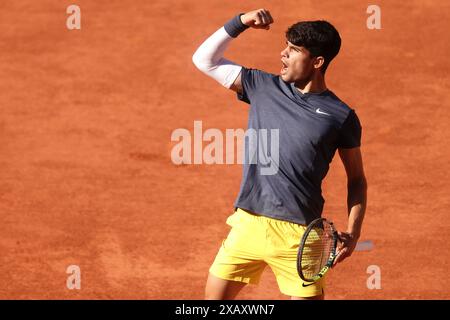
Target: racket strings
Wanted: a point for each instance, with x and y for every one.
(317, 250)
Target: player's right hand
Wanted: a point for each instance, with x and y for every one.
(258, 19)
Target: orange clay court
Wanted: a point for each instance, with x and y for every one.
(86, 119)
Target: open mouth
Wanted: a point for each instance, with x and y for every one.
(284, 67)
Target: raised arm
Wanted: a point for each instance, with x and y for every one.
(209, 56)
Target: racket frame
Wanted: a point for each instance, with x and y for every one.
(331, 258)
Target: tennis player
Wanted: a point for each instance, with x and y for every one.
(272, 210)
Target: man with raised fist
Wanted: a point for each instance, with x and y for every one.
(272, 211)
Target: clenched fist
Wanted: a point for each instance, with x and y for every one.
(258, 19)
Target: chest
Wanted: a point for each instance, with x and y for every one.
(298, 123)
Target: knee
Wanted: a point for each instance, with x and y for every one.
(211, 294)
(220, 289)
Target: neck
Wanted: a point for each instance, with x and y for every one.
(316, 84)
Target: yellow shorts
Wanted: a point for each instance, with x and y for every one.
(256, 241)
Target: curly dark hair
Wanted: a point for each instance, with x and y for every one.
(319, 37)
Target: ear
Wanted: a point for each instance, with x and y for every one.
(318, 62)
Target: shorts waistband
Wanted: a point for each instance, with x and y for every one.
(289, 229)
(260, 217)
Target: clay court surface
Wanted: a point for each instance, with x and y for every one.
(86, 119)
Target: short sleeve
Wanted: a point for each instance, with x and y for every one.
(350, 133)
(251, 79)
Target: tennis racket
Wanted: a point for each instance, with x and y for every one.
(317, 250)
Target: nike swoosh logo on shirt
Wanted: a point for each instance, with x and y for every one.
(321, 112)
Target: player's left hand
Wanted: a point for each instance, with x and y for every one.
(345, 247)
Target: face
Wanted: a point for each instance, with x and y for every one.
(297, 64)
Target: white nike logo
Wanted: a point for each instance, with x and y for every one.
(321, 112)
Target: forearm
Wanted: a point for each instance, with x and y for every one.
(209, 56)
(356, 203)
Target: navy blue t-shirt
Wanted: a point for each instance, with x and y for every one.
(305, 129)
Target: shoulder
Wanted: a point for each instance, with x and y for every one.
(257, 76)
(337, 102)
(341, 110)
(350, 129)
(254, 81)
